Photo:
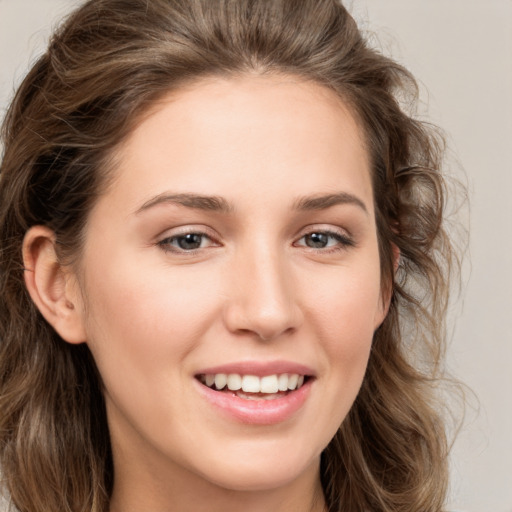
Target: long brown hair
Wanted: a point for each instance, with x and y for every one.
(104, 68)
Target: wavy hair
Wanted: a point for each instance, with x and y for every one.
(104, 67)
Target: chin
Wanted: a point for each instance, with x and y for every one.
(264, 475)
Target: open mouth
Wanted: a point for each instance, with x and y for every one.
(252, 387)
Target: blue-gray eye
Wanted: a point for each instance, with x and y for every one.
(325, 240)
(185, 243)
(317, 240)
(188, 242)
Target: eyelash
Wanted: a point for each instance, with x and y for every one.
(165, 244)
(343, 241)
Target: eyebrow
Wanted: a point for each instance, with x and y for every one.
(199, 202)
(322, 202)
(221, 205)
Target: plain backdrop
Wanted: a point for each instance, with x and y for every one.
(461, 52)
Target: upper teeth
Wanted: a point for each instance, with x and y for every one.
(254, 384)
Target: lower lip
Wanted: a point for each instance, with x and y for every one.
(257, 412)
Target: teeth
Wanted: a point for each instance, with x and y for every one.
(234, 382)
(282, 382)
(250, 384)
(221, 380)
(293, 380)
(270, 384)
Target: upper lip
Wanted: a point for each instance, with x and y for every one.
(259, 368)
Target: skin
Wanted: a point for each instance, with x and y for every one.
(154, 315)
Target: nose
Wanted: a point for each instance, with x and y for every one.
(262, 299)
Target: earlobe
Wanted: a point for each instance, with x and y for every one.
(52, 287)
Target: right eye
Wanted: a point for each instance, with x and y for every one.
(186, 242)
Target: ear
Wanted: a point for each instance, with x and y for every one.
(53, 287)
(396, 256)
(387, 292)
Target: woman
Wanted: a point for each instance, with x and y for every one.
(223, 267)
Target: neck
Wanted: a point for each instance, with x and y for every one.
(154, 491)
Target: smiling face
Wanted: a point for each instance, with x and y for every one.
(236, 247)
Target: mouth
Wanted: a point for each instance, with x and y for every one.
(253, 387)
(257, 392)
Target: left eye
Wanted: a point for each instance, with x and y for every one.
(323, 240)
(186, 242)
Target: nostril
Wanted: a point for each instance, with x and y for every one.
(264, 325)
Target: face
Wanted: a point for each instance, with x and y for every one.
(236, 247)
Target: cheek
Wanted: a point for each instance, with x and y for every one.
(143, 324)
(349, 302)
(139, 317)
(345, 316)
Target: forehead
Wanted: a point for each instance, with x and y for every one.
(240, 133)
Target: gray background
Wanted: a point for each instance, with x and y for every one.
(461, 51)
